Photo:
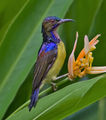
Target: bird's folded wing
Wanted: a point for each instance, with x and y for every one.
(44, 62)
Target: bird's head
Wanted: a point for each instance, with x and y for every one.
(51, 23)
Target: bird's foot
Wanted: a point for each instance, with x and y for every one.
(54, 86)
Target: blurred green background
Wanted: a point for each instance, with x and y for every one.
(20, 39)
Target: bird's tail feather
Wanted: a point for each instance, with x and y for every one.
(34, 99)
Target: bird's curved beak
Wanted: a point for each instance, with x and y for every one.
(65, 20)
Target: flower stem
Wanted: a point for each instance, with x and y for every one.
(62, 76)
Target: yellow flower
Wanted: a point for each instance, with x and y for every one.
(83, 64)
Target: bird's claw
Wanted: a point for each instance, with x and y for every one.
(54, 86)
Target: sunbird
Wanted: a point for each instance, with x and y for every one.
(50, 57)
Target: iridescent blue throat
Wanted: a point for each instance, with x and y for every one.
(53, 36)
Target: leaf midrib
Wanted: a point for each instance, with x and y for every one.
(56, 103)
(12, 21)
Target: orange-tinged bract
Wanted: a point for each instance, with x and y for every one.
(83, 64)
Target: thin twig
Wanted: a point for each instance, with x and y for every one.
(62, 76)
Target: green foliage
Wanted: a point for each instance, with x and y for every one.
(20, 39)
(65, 101)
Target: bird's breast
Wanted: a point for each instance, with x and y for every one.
(55, 69)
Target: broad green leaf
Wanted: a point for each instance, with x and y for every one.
(98, 27)
(83, 12)
(96, 111)
(88, 113)
(9, 10)
(65, 101)
(20, 46)
(24, 93)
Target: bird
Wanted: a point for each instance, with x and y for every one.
(51, 56)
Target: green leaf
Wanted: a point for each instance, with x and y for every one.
(83, 12)
(95, 111)
(65, 101)
(9, 10)
(98, 28)
(88, 113)
(20, 45)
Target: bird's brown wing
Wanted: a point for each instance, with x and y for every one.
(44, 62)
